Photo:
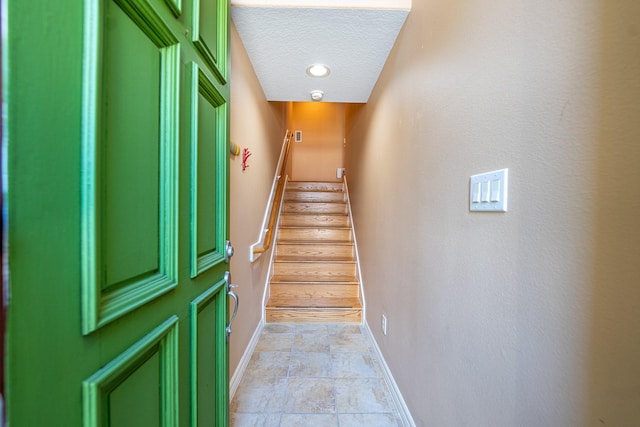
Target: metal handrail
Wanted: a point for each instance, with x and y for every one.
(277, 200)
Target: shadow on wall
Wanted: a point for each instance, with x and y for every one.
(614, 374)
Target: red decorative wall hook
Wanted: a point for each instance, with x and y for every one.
(245, 156)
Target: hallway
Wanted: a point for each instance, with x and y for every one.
(313, 375)
(522, 318)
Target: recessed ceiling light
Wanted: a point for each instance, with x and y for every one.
(318, 70)
(317, 95)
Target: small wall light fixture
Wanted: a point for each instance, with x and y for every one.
(318, 70)
(316, 95)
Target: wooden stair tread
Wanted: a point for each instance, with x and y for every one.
(292, 250)
(314, 315)
(316, 290)
(313, 227)
(315, 196)
(313, 258)
(306, 215)
(314, 215)
(314, 279)
(315, 185)
(300, 241)
(305, 219)
(332, 214)
(319, 262)
(305, 238)
(315, 243)
(291, 189)
(329, 242)
(314, 302)
(318, 208)
(313, 202)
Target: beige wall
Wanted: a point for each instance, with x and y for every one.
(524, 318)
(259, 126)
(320, 153)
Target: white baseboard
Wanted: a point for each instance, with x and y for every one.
(244, 361)
(403, 410)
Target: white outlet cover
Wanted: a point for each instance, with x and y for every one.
(488, 191)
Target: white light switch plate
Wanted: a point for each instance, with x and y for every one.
(488, 191)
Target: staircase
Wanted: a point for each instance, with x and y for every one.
(314, 270)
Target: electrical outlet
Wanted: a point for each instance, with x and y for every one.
(384, 324)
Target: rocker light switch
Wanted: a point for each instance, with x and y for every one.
(495, 190)
(488, 191)
(475, 193)
(484, 193)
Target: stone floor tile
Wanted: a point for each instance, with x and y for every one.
(275, 342)
(260, 394)
(254, 420)
(309, 420)
(368, 420)
(279, 328)
(342, 329)
(310, 365)
(269, 364)
(312, 395)
(353, 365)
(365, 395)
(311, 342)
(349, 342)
(312, 328)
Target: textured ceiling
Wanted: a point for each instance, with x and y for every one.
(352, 37)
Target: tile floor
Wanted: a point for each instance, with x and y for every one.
(308, 375)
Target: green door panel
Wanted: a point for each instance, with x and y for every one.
(139, 386)
(135, 402)
(130, 156)
(209, 154)
(129, 152)
(116, 134)
(211, 41)
(207, 367)
(206, 179)
(208, 12)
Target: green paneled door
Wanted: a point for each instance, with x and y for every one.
(116, 133)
